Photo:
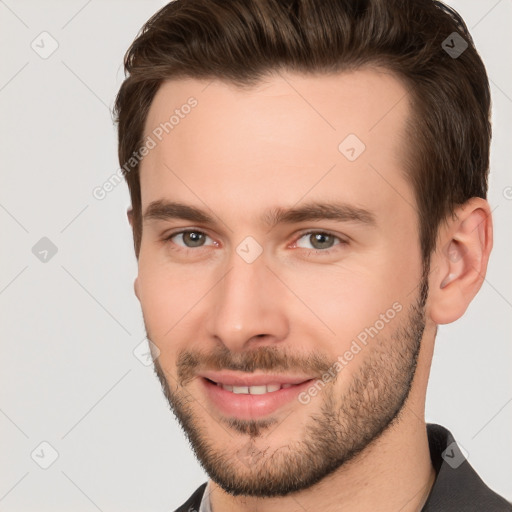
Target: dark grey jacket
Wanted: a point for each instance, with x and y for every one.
(457, 487)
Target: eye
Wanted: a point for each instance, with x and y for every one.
(320, 241)
(188, 239)
(317, 241)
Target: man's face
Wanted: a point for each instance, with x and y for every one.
(333, 298)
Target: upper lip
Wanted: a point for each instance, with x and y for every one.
(263, 379)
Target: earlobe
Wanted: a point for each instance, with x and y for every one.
(461, 264)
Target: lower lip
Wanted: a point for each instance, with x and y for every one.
(246, 406)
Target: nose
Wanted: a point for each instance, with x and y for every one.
(249, 306)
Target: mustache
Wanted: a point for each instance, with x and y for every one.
(266, 359)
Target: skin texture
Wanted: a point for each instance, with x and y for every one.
(361, 443)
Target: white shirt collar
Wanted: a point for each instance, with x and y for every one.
(205, 501)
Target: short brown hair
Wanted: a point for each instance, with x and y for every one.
(241, 41)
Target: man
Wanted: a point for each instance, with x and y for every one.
(308, 183)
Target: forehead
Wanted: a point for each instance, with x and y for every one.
(340, 135)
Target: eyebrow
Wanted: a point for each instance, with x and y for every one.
(167, 210)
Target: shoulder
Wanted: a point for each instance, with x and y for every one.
(457, 486)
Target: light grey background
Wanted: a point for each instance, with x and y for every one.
(69, 326)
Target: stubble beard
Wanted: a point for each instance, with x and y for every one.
(344, 426)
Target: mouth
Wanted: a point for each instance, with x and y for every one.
(252, 401)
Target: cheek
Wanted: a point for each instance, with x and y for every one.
(343, 301)
(166, 296)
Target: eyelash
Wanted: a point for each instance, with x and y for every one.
(342, 242)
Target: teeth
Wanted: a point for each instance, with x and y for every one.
(254, 390)
(257, 390)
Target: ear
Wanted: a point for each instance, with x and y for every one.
(136, 287)
(459, 263)
(129, 214)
